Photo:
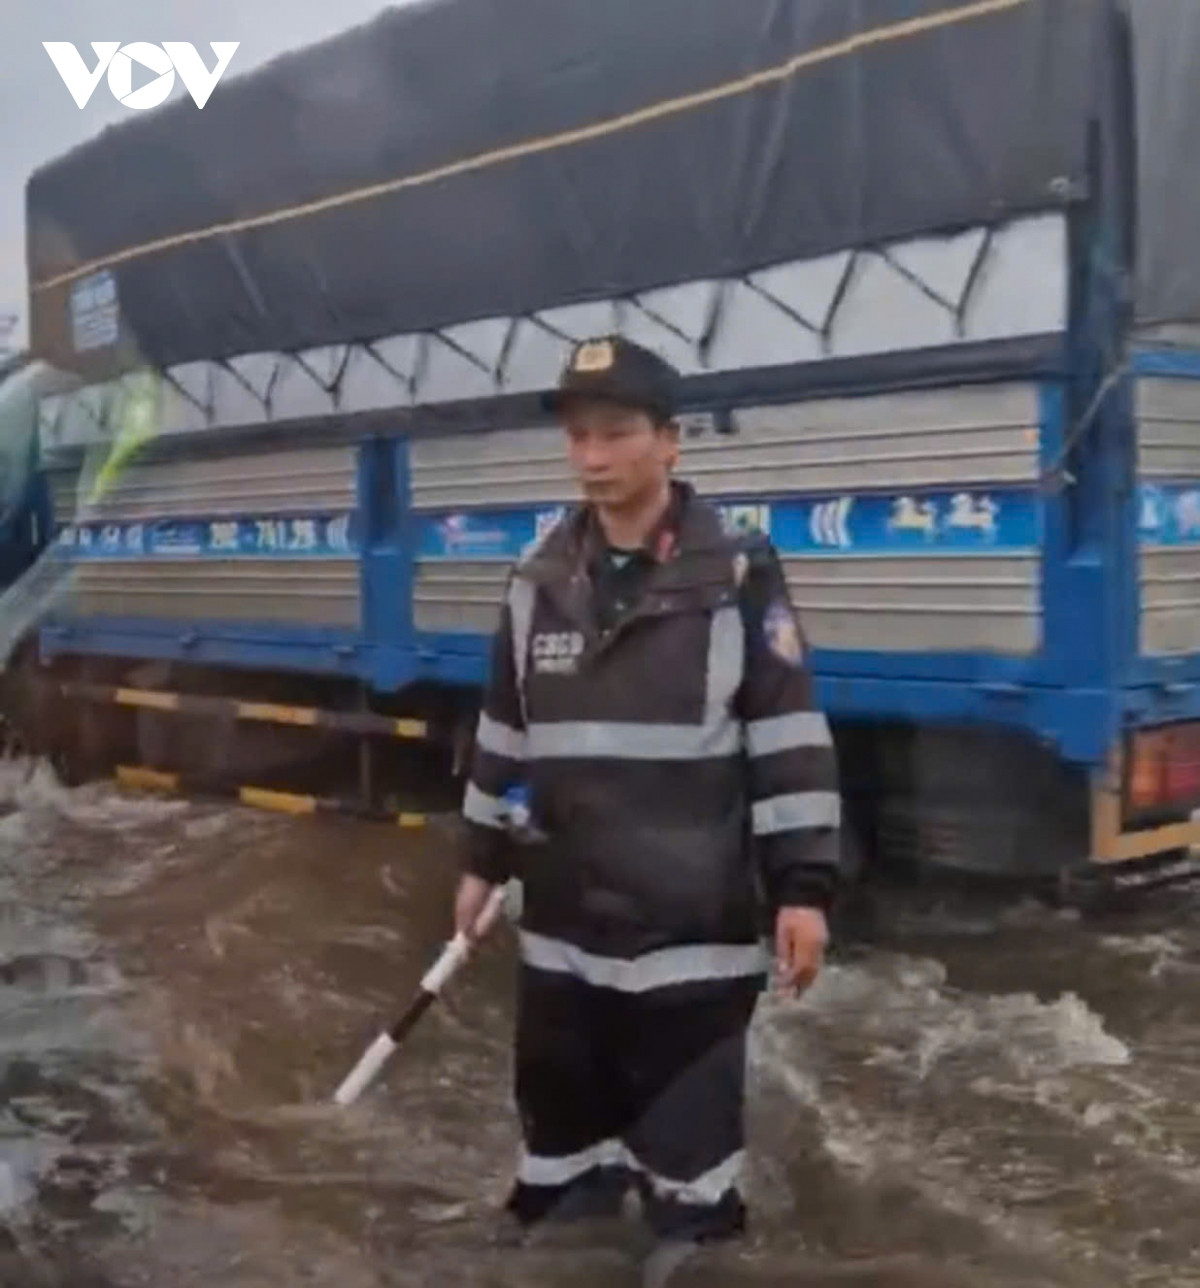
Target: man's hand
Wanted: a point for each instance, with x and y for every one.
(800, 938)
(472, 894)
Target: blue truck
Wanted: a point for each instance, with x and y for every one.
(928, 270)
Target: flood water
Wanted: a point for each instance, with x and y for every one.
(983, 1095)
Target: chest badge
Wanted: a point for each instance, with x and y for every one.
(557, 652)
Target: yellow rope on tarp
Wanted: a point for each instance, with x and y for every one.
(889, 34)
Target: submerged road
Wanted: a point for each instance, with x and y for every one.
(983, 1095)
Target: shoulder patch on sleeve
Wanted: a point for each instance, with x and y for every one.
(783, 633)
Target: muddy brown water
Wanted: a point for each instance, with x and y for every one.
(983, 1094)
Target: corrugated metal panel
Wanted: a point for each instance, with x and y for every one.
(1183, 334)
(458, 596)
(989, 605)
(952, 436)
(977, 434)
(261, 483)
(63, 485)
(928, 604)
(1170, 601)
(510, 467)
(1168, 416)
(1168, 419)
(300, 593)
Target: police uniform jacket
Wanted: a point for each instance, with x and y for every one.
(679, 777)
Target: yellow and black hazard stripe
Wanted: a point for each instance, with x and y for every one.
(364, 723)
(144, 779)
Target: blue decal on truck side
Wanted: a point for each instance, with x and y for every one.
(953, 521)
(309, 536)
(1169, 514)
(962, 521)
(484, 534)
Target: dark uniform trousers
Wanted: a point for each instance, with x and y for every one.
(615, 1088)
(661, 717)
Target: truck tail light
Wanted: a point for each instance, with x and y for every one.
(1163, 768)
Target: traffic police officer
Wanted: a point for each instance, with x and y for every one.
(649, 687)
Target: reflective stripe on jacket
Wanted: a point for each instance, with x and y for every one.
(675, 762)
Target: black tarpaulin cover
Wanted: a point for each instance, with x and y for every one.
(1167, 69)
(522, 154)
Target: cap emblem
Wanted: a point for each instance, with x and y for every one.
(597, 355)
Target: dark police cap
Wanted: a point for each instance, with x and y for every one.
(617, 370)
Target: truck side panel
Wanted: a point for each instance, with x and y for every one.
(1168, 420)
(908, 522)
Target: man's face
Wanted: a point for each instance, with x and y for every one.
(619, 455)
